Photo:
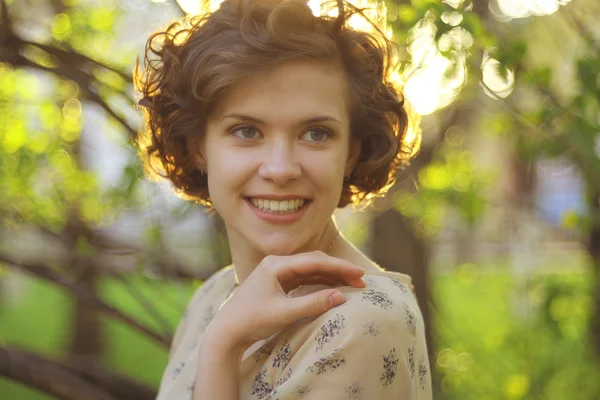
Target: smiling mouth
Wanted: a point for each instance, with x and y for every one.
(278, 207)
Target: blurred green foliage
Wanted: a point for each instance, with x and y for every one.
(42, 179)
(498, 340)
(449, 182)
(539, 119)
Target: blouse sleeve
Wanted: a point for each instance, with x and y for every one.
(371, 347)
(178, 335)
(190, 310)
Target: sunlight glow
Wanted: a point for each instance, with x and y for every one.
(377, 14)
(454, 3)
(522, 9)
(376, 11)
(195, 7)
(494, 84)
(432, 80)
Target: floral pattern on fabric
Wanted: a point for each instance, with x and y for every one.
(372, 347)
(329, 330)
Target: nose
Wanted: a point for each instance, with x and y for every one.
(278, 163)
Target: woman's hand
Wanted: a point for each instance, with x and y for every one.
(260, 306)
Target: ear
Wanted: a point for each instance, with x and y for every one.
(353, 155)
(195, 149)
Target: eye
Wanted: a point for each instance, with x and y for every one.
(316, 135)
(245, 132)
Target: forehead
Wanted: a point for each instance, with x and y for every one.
(293, 89)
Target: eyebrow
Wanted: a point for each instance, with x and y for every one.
(313, 120)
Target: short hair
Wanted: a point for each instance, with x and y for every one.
(195, 61)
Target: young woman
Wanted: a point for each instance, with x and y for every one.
(274, 118)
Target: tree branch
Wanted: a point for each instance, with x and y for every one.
(118, 385)
(67, 69)
(62, 72)
(106, 245)
(75, 58)
(46, 273)
(47, 376)
(6, 24)
(145, 303)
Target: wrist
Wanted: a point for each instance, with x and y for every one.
(218, 341)
(217, 375)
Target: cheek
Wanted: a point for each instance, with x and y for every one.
(218, 171)
(326, 170)
(229, 170)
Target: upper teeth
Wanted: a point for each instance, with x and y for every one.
(274, 205)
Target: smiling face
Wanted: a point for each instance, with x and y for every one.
(276, 151)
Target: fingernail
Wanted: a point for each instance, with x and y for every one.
(336, 299)
(360, 282)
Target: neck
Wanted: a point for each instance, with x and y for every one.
(247, 257)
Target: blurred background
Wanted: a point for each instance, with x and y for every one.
(497, 220)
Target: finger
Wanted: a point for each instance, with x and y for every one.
(290, 285)
(305, 265)
(359, 283)
(318, 279)
(312, 304)
(322, 279)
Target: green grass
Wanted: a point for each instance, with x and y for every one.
(39, 320)
(130, 352)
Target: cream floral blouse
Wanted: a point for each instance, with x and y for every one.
(372, 347)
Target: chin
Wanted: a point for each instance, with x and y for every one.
(277, 249)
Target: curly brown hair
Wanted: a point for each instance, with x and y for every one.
(194, 62)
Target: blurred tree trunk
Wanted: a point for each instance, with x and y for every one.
(70, 378)
(593, 247)
(393, 242)
(394, 246)
(86, 326)
(86, 333)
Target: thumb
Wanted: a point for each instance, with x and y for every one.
(316, 303)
